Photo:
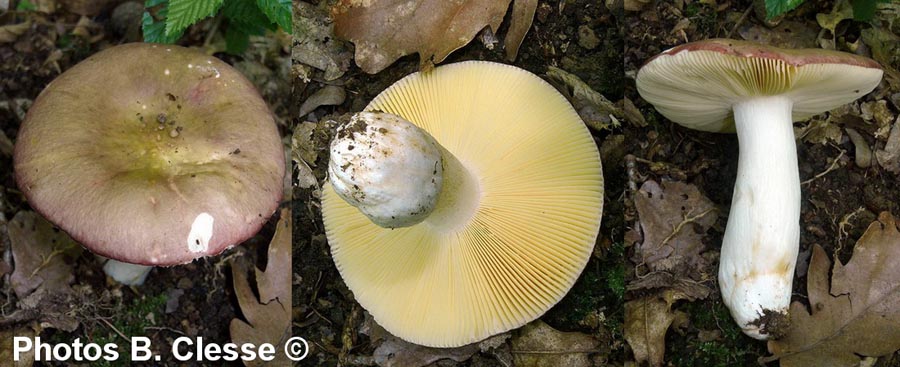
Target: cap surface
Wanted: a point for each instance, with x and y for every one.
(531, 230)
(151, 154)
(696, 84)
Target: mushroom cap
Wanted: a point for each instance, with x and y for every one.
(521, 245)
(696, 84)
(151, 154)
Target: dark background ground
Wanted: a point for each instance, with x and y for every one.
(200, 298)
(709, 161)
(325, 305)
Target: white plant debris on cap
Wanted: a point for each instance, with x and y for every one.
(514, 225)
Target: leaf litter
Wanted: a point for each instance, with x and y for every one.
(856, 315)
(385, 30)
(267, 317)
(673, 218)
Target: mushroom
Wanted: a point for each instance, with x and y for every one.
(465, 203)
(723, 85)
(151, 155)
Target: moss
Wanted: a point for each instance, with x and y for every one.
(131, 320)
(614, 272)
(731, 349)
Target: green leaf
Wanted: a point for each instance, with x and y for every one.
(155, 31)
(236, 41)
(278, 11)
(183, 13)
(151, 3)
(26, 5)
(248, 15)
(775, 8)
(864, 10)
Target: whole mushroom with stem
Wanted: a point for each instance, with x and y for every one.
(723, 85)
(463, 203)
(151, 155)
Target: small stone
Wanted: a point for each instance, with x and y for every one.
(173, 133)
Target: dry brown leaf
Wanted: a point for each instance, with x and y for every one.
(315, 44)
(673, 219)
(304, 154)
(646, 321)
(86, 7)
(395, 352)
(539, 345)
(840, 12)
(788, 34)
(42, 256)
(889, 157)
(858, 315)
(329, 95)
(597, 112)
(26, 359)
(821, 131)
(385, 30)
(522, 16)
(885, 46)
(10, 33)
(268, 318)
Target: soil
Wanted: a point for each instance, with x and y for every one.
(836, 208)
(196, 299)
(594, 305)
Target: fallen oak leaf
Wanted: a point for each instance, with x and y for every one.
(42, 255)
(859, 316)
(43, 272)
(673, 219)
(647, 319)
(268, 318)
(539, 345)
(385, 30)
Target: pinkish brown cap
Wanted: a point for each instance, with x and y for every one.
(696, 84)
(151, 154)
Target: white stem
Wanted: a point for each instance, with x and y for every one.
(762, 236)
(125, 273)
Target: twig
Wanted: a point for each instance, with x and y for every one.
(212, 32)
(830, 168)
(842, 232)
(739, 21)
(685, 220)
(109, 325)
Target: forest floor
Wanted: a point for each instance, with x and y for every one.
(580, 37)
(197, 299)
